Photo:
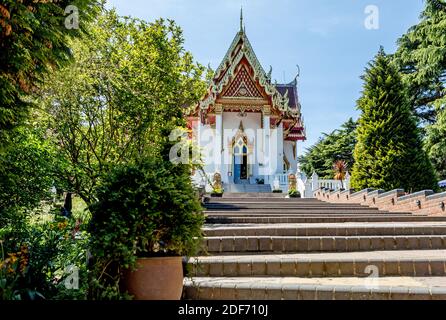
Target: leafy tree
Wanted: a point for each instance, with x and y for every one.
(338, 145)
(33, 41)
(120, 100)
(26, 173)
(421, 57)
(435, 144)
(389, 151)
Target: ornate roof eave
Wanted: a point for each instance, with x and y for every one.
(279, 102)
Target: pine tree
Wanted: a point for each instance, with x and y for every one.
(389, 152)
(436, 144)
(421, 57)
(332, 147)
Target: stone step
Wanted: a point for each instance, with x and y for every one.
(217, 245)
(424, 263)
(345, 229)
(277, 205)
(247, 188)
(285, 213)
(268, 207)
(393, 288)
(282, 205)
(249, 213)
(354, 217)
(273, 211)
(254, 195)
(318, 219)
(267, 199)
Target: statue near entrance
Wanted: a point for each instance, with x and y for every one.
(292, 182)
(217, 185)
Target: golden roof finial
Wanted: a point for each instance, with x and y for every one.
(241, 19)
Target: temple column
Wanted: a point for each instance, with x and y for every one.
(280, 151)
(196, 139)
(218, 138)
(266, 142)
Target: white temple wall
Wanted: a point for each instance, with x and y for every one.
(253, 130)
(291, 155)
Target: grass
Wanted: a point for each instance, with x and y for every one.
(80, 210)
(45, 212)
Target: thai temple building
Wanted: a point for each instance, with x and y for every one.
(246, 126)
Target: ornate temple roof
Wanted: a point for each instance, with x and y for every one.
(291, 90)
(240, 79)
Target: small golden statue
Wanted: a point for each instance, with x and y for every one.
(292, 182)
(217, 182)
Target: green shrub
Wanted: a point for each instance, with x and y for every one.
(143, 210)
(35, 257)
(293, 193)
(217, 192)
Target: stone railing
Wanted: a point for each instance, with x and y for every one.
(307, 186)
(424, 202)
(282, 178)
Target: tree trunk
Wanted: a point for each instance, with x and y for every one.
(68, 204)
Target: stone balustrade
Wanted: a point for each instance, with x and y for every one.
(424, 202)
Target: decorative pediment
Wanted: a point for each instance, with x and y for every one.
(243, 86)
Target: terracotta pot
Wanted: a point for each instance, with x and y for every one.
(156, 279)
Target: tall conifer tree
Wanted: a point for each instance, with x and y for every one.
(436, 143)
(389, 152)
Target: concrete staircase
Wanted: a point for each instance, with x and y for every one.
(247, 188)
(263, 246)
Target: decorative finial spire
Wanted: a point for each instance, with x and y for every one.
(241, 19)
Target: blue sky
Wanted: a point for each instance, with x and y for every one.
(327, 38)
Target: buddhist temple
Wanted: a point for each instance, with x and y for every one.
(247, 126)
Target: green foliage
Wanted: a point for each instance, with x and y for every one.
(421, 57)
(217, 191)
(389, 153)
(149, 209)
(26, 172)
(35, 257)
(120, 100)
(338, 145)
(97, 118)
(80, 210)
(435, 144)
(293, 193)
(33, 41)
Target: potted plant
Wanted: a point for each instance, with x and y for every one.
(293, 193)
(146, 219)
(217, 192)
